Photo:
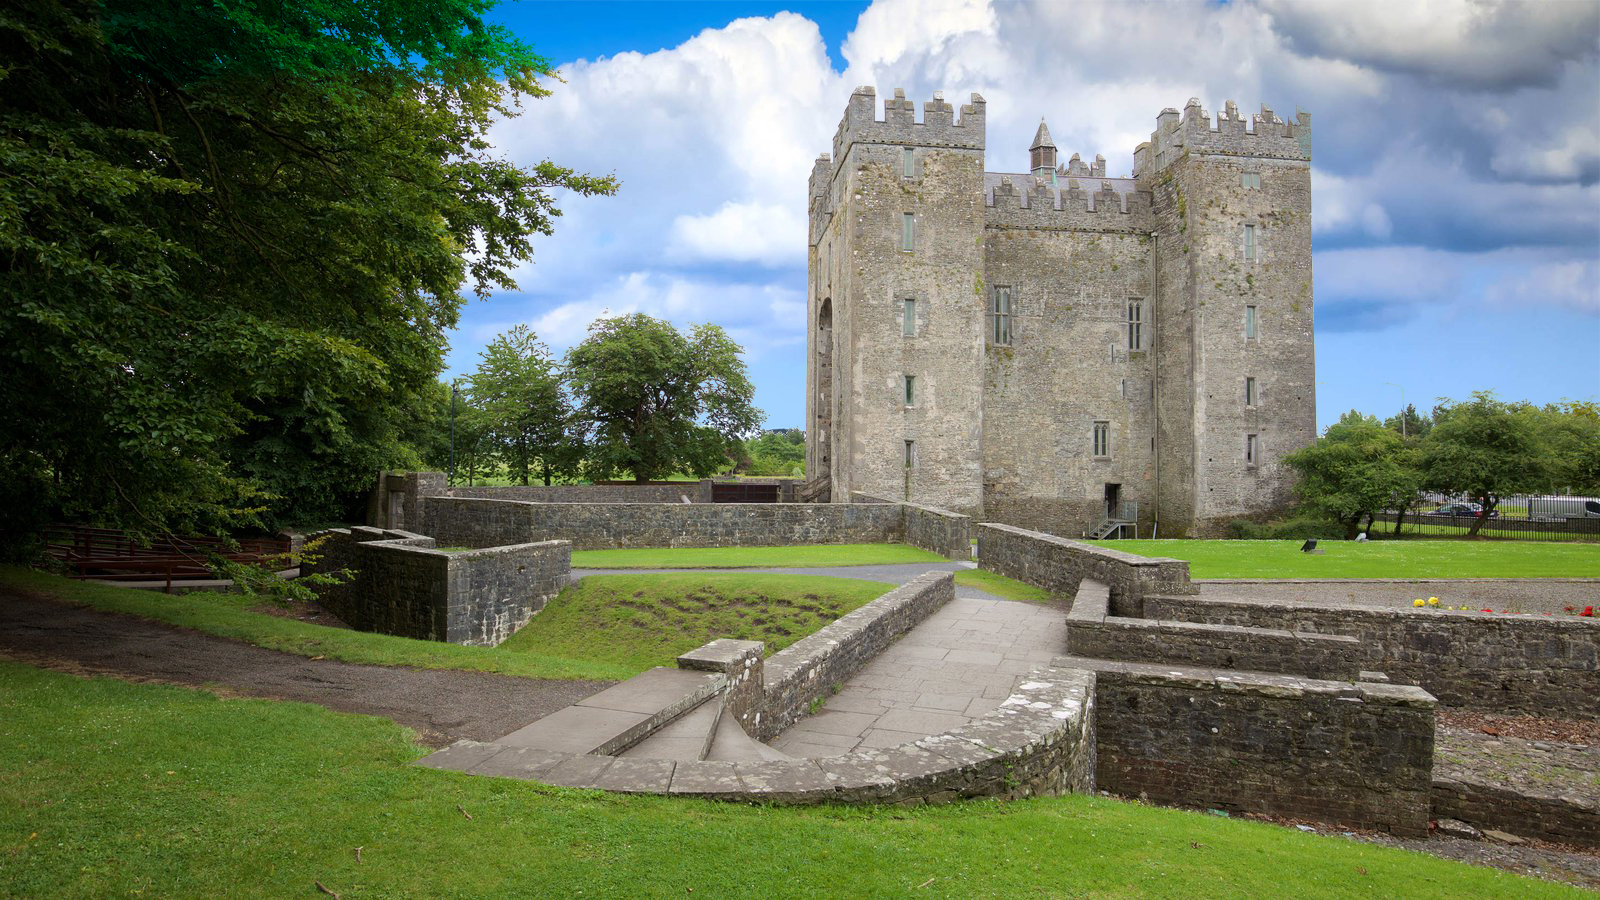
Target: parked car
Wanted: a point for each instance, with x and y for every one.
(1462, 509)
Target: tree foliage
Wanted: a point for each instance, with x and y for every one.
(232, 236)
(1486, 448)
(1355, 470)
(779, 451)
(652, 401)
(517, 397)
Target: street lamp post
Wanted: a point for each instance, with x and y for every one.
(1402, 407)
(454, 389)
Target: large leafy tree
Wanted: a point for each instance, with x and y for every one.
(1357, 468)
(653, 401)
(1487, 449)
(232, 236)
(517, 394)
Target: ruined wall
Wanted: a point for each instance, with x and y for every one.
(600, 526)
(1059, 565)
(1359, 755)
(1511, 663)
(403, 586)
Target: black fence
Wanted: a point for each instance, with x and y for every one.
(1538, 517)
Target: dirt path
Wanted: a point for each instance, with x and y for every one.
(442, 706)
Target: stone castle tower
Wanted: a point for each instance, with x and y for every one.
(1062, 350)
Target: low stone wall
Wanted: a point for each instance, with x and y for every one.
(809, 669)
(1544, 665)
(1058, 565)
(1091, 632)
(1359, 755)
(602, 526)
(939, 530)
(673, 492)
(1547, 816)
(405, 587)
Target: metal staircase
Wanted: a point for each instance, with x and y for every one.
(1113, 521)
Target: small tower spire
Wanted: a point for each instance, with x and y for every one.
(1042, 154)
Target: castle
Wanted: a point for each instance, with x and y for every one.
(1061, 350)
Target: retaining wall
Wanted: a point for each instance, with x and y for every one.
(1058, 565)
(672, 492)
(403, 586)
(1545, 815)
(939, 530)
(1358, 755)
(1091, 632)
(1544, 665)
(810, 668)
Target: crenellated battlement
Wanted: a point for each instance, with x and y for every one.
(1077, 168)
(1070, 205)
(1265, 136)
(939, 126)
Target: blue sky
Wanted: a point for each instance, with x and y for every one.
(1456, 164)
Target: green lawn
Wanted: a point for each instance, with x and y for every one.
(1375, 559)
(809, 557)
(568, 640)
(633, 622)
(113, 788)
(1001, 586)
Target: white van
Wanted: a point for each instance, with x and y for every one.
(1563, 508)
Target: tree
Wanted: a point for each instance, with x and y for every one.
(652, 401)
(233, 237)
(1571, 431)
(517, 394)
(1409, 423)
(1485, 448)
(780, 451)
(1356, 469)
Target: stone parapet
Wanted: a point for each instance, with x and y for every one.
(939, 530)
(1058, 565)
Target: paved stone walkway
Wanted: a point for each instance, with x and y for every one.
(952, 669)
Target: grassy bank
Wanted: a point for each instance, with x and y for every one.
(113, 788)
(1001, 586)
(597, 631)
(1375, 559)
(808, 557)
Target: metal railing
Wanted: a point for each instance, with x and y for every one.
(1536, 517)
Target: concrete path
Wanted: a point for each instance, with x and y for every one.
(952, 669)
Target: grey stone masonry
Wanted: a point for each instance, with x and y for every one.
(939, 530)
(591, 493)
(1092, 632)
(1542, 665)
(1058, 565)
(740, 663)
(403, 586)
(1351, 754)
(809, 669)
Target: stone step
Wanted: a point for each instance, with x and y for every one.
(619, 716)
(733, 745)
(688, 738)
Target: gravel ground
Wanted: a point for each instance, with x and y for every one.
(1523, 595)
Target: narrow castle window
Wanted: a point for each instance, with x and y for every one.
(908, 318)
(1249, 242)
(1252, 449)
(911, 454)
(907, 232)
(1250, 323)
(1249, 391)
(911, 389)
(1102, 440)
(908, 162)
(1250, 181)
(1000, 316)
(1135, 325)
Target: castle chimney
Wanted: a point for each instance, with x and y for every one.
(1043, 153)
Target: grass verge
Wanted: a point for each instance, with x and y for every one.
(114, 788)
(1001, 586)
(807, 557)
(633, 622)
(558, 643)
(1375, 559)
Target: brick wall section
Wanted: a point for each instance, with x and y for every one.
(809, 668)
(1546, 665)
(1547, 817)
(1358, 755)
(939, 530)
(402, 586)
(1058, 565)
(600, 526)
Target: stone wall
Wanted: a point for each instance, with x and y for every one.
(810, 668)
(1058, 565)
(1507, 663)
(938, 530)
(602, 526)
(1092, 633)
(1359, 755)
(1544, 815)
(674, 492)
(405, 587)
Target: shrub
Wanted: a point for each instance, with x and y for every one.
(1299, 528)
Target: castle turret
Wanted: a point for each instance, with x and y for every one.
(1042, 154)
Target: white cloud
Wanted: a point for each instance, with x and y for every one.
(1573, 284)
(763, 233)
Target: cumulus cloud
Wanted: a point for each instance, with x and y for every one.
(1574, 284)
(764, 233)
